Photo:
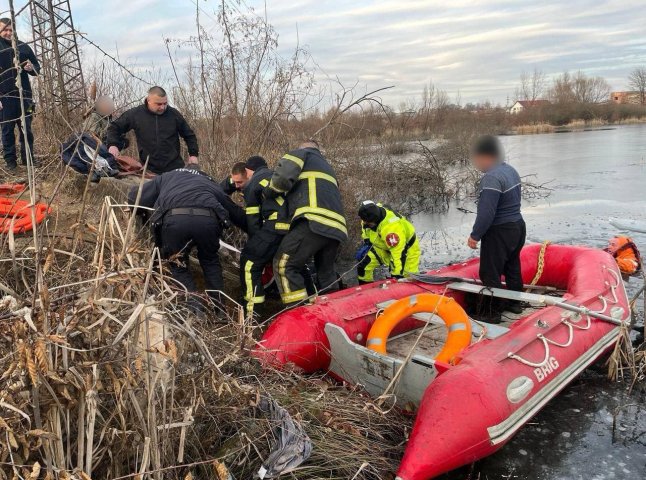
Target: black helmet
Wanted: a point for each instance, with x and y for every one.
(370, 212)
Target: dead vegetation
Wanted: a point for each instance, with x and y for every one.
(106, 375)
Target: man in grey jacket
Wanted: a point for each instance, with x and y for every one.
(499, 225)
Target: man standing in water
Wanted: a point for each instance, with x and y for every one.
(499, 225)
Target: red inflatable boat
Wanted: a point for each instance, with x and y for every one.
(471, 402)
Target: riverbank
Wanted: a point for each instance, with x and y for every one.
(574, 126)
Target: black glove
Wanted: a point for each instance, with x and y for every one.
(226, 223)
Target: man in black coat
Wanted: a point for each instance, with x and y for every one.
(157, 127)
(193, 211)
(10, 95)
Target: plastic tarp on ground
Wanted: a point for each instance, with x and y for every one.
(293, 446)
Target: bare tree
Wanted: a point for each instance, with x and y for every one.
(579, 88)
(637, 81)
(434, 106)
(532, 85)
(561, 90)
(590, 89)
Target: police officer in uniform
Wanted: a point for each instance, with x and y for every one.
(193, 211)
(317, 227)
(267, 223)
(389, 239)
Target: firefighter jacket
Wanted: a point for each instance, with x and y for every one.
(395, 236)
(268, 213)
(312, 192)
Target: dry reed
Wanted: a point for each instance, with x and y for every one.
(107, 375)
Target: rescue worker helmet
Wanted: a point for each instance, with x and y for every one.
(371, 213)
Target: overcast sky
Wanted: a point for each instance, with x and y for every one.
(476, 48)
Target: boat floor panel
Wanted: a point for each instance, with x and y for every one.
(434, 337)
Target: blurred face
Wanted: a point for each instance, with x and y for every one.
(157, 104)
(7, 31)
(484, 162)
(239, 180)
(105, 107)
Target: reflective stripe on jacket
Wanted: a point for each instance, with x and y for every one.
(394, 235)
(312, 192)
(270, 213)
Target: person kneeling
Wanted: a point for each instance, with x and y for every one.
(389, 239)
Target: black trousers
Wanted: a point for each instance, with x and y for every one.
(9, 141)
(258, 252)
(298, 246)
(500, 255)
(179, 234)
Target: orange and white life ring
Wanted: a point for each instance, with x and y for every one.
(455, 318)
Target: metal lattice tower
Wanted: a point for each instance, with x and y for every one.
(62, 86)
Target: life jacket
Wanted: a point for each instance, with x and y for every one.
(626, 254)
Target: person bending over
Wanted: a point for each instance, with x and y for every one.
(389, 239)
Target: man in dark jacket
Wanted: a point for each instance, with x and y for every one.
(267, 223)
(317, 227)
(10, 96)
(499, 225)
(236, 180)
(193, 211)
(157, 127)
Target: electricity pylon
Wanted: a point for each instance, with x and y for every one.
(62, 87)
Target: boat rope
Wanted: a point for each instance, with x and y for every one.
(529, 363)
(570, 324)
(579, 327)
(540, 265)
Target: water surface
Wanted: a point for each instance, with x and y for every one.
(594, 175)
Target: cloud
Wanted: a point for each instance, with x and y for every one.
(475, 48)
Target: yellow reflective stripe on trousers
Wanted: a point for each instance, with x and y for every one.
(280, 201)
(294, 296)
(250, 290)
(281, 273)
(294, 159)
(320, 211)
(319, 175)
(273, 216)
(326, 221)
(252, 210)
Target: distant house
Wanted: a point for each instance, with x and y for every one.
(623, 98)
(521, 105)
